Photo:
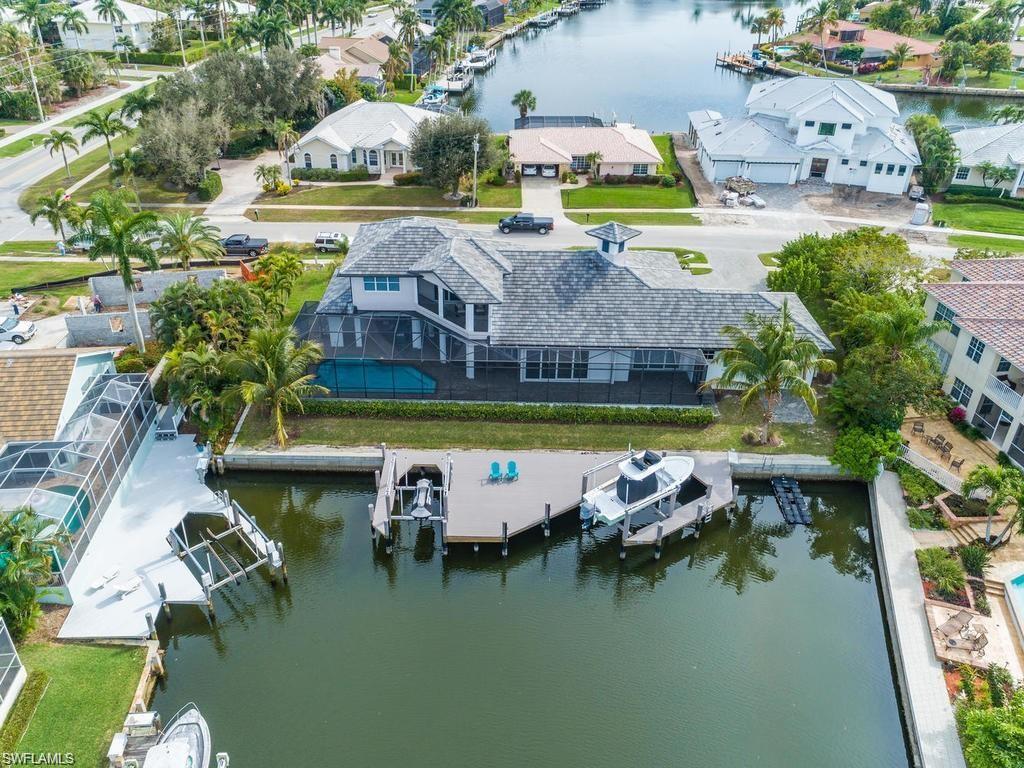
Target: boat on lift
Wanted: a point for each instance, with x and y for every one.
(433, 96)
(458, 79)
(183, 743)
(645, 476)
(423, 500)
(480, 58)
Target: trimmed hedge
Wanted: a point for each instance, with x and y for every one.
(210, 187)
(359, 173)
(408, 179)
(508, 412)
(1008, 202)
(643, 180)
(24, 707)
(172, 59)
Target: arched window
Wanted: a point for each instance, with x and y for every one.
(373, 157)
(334, 162)
(353, 158)
(307, 160)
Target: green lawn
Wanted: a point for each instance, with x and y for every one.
(89, 694)
(770, 259)
(24, 144)
(669, 163)
(6, 123)
(992, 243)
(379, 194)
(17, 274)
(316, 214)
(688, 259)
(29, 248)
(403, 96)
(639, 219)
(628, 196)
(724, 433)
(151, 191)
(309, 287)
(983, 217)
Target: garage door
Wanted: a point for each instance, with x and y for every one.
(726, 168)
(770, 173)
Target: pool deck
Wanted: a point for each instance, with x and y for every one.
(159, 490)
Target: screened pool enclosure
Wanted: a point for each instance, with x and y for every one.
(72, 479)
(405, 355)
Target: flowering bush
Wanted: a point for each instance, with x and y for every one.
(958, 415)
(282, 188)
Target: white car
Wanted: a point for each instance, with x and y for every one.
(18, 331)
(549, 171)
(330, 242)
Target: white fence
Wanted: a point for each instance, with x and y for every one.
(943, 477)
(12, 673)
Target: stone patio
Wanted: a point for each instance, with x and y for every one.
(1001, 648)
(974, 453)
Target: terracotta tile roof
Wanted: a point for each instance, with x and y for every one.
(878, 39)
(983, 300)
(1004, 336)
(34, 385)
(990, 270)
(617, 144)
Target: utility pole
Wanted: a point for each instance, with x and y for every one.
(35, 87)
(181, 41)
(476, 153)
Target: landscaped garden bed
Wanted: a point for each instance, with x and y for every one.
(960, 511)
(943, 577)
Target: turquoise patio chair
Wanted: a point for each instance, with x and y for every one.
(512, 473)
(495, 475)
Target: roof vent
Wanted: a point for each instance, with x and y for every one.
(612, 238)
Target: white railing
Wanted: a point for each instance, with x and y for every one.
(942, 476)
(1006, 396)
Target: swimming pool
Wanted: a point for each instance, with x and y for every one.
(1015, 599)
(362, 376)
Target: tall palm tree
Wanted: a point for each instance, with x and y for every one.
(332, 13)
(102, 123)
(113, 231)
(821, 18)
(33, 14)
(899, 54)
(61, 141)
(56, 207)
(352, 14)
(437, 47)
(72, 20)
(124, 44)
(186, 237)
(30, 543)
(1004, 487)
(775, 20)
(394, 65)
(759, 27)
(272, 370)
(110, 11)
(525, 102)
(285, 135)
(273, 29)
(199, 9)
(408, 32)
(766, 358)
(124, 167)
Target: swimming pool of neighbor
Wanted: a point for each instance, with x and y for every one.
(758, 644)
(1015, 598)
(343, 376)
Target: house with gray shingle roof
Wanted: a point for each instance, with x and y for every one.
(1001, 145)
(424, 308)
(982, 352)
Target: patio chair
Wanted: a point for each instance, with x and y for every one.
(946, 451)
(918, 428)
(954, 625)
(930, 441)
(108, 576)
(127, 587)
(955, 464)
(495, 475)
(975, 645)
(512, 473)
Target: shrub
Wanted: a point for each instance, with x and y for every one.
(171, 59)
(975, 558)
(958, 415)
(1000, 680)
(24, 707)
(358, 173)
(940, 568)
(210, 187)
(610, 179)
(282, 188)
(248, 144)
(1008, 202)
(858, 451)
(509, 412)
(568, 177)
(921, 519)
(918, 488)
(129, 364)
(497, 180)
(668, 181)
(408, 179)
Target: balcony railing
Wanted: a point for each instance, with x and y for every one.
(1006, 397)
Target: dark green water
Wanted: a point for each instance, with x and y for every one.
(756, 645)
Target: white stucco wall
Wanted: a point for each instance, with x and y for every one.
(101, 37)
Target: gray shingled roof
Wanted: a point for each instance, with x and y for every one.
(614, 232)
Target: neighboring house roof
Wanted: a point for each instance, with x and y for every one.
(877, 39)
(356, 50)
(133, 14)
(35, 385)
(990, 270)
(617, 144)
(999, 144)
(562, 298)
(330, 66)
(748, 138)
(799, 94)
(367, 124)
(991, 309)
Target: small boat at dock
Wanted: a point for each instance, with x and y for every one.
(570, 8)
(645, 480)
(544, 20)
(183, 743)
(480, 58)
(458, 79)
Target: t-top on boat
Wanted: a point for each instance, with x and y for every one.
(644, 477)
(183, 743)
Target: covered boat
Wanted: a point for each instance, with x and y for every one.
(184, 743)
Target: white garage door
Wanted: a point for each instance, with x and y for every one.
(770, 173)
(726, 168)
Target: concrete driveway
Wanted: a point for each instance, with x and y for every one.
(543, 197)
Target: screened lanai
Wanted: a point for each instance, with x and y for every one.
(406, 355)
(72, 478)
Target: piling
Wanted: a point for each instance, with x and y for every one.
(389, 543)
(384, 452)
(209, 602)
(547, 519)
(657, 541)
(583, 490)
(151, 625)
(163, 599)
(284, 565)
(373, 529)
(376, 479)
(444, 536)
(504, 539)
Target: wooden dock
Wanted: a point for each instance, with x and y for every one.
(741, 62)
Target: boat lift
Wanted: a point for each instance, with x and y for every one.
(427, 502)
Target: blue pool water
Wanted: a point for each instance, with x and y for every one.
(354, 376)
(1015, 597)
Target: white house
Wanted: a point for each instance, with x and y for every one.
(376, 134)
(625, 150)
(835, 129)
(1001, 145)
(137, 25)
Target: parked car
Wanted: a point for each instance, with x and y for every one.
(526, 222)
(530, 170)
(243, 245)
(331, 242)
(549, 171)
(916, 193)
(18, 331)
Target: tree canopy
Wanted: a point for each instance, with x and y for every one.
(443, 149)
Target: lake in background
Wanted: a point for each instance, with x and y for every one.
(758, 644)
(650, 62)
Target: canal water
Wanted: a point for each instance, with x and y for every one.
(758, 644)
(650, 62)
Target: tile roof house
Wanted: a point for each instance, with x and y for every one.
(835, 129)
(424, 308)
(374, 134)
(137, 25)
(982, 353)
(877, 43)
(363, 55)
(1001, 145)
(625, 149)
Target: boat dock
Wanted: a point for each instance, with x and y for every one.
(747, 65)
(791, 500)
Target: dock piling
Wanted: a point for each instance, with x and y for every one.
(151, 625)
(547, 519)
(657, 541)
(504, 539)
(284, 565)
(444, 536)
(162, 589)
(373, 528)
(388, 541)
(376, 479)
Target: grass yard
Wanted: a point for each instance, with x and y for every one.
(16, 274)
(647, 217)
(309, 287)
(770, 259)
(688, 259)
(628, 196)
(316, 214)
(669, 163)
(983, 217)
(991, 243)
(90, 690)
(24, 144)
(378, 194)
(29, 248)
(403, 96)
(724, 433)
(151, 191)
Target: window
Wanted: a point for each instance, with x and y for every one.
(827, 129)
(945, 315)
(847, 126)
(373, 157)
(553, 364)
(426, 294)
(116, 324)
(640, 169)
(889, 169)
(902, 171)
(579, 163)
(809, 123)
(1003, 366)
(863, 163)
(352, 158)
(962, 173)
(654, 359)
(976, 349)
(453, 309)
(137, 284)
(307, 160)
(961, 392)
(878, 167)
(844, 161)
(118, 29)
(480, 312)
(334, 161)
(382, 284)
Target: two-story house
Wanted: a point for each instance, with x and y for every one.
(834, 129)
(423, 308)
(106, 31)
(982, 353)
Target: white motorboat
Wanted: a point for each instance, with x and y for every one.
(183, 743)
(456, 80)
(433, 96)
(481, 58)
(645, 480)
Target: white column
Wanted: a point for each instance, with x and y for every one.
(417, 333)
(442, 344)
(357, 325)
(470, 361)
(469, 318)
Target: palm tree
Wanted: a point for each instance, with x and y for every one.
(775, 20)
(29, 543)
(997, 174)
(110, 11)
(33, 13)
(267, 174)
(767, 358)
(408, 31)
(437, 47)
(113, 231)
(352, 13)
(195, 379)
(759, 27)
(124, 44)
(900, 329)
(899, 54)
(393, 66)
(273, 29)
(186, 237)
(525, 102)
(1011, 113)
(821, 18)
(61, 141)
(56, 207)
(332, 13)
(806, 52)
(135, 104)
(272, 370)
(594, 164)
(102, 123)
(199, 9)
(285, 135)
(72, 20)
(1004, 487)
(124, 167)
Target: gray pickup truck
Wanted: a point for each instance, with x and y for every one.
(243, 245)
(526, 222)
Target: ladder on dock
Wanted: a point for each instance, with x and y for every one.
(791, 500)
